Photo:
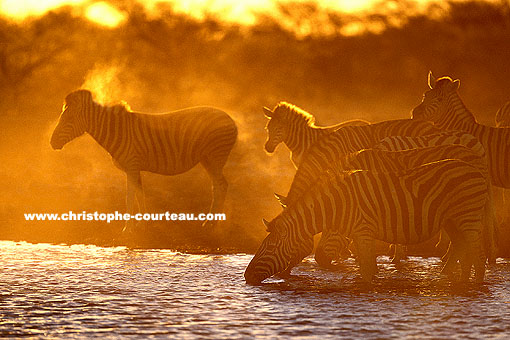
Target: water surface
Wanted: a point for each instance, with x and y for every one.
(82, 291)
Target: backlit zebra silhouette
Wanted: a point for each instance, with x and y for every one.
(398, 161)
(405, 209)
(443, 106)
(296, 128)
(396, 143)
(340, 143)
(167, 144)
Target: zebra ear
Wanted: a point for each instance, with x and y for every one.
(267, 224)
(282, 199)
(456, 84)
(431, 80)
(267, 112)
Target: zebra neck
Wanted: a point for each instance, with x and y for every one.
(102, 124)
(307, 217)
(457, 116)
(301, 137)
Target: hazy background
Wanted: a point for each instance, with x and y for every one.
(333, 59)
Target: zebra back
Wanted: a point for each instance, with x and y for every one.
(443, 106)
(345, 141)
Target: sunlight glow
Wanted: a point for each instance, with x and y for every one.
(104, 14)
(21, 9)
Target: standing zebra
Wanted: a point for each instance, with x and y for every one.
(443, 106)
(396, 143)
(503, 116)
(329, 248)
(296, 128)
(167, 144)
(407, 208)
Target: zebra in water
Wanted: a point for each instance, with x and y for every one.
(443, 106)
(167, 144)
(405, 208)
(296, 128)
(502, 119)
(329, 248)
(503, 116)
(338, 144)
(397, 143)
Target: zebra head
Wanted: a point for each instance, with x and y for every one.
(276, 128)
(273, 255)
(435, 101)
(72, 122)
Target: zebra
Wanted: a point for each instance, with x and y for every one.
(443, 106)
(503, 116)
(167, 144)
(395, 162)
(397, 208)
(338, 144)
(502, 119)
(396, 143)
(296, 128)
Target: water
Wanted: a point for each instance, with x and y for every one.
(57, 291)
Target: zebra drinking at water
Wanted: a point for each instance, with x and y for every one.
(167, 144)
(340, 143)
(296, 128)
(404, 209)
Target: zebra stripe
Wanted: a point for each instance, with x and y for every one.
(296, 128)
(167, 144)
(443, 106)
(345, 141)
(503, 116)
(396, 162)
(396, 143)
(405, 209)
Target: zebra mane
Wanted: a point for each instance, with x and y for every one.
(443, 81)
(290, 111)
(122, 106)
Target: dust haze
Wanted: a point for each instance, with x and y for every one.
(336, 66)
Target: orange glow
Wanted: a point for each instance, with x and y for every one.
(22, 9)
(104, 14)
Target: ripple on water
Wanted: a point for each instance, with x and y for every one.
(84, 291)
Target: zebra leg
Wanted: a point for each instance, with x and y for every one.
(132, 182)
(367, 259)
(454, 252)
(489, 227)
(219, 186)
(399, 253)
(473, 255)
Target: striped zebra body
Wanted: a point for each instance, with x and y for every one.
(166, 144)
(396, 143)
(337, 145)
(443, 106)
(344, 141)
(296, 128)
(398, 162)
(502, 118)
(367, 205)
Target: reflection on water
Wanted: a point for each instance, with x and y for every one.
(86, 291)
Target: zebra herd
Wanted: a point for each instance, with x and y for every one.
(399, 181)
(357, 182)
